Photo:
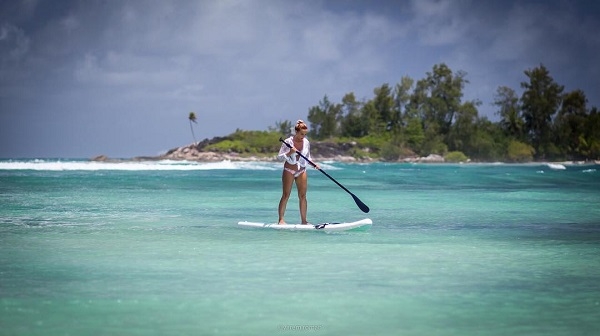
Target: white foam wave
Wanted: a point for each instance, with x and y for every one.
(327, 165)
(58, 165)
(556, 166)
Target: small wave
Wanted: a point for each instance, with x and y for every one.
(556, 166)
(327, 165)
(589, 170)
(58, 165)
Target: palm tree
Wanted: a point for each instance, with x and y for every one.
(192, 118)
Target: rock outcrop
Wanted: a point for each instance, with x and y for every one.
(194, 153)
(320, 151)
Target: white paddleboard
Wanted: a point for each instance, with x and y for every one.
(363, 224)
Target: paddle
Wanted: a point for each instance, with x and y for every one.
(359, 203)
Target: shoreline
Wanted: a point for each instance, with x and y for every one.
(212, 157)
(323, 152)
(236, 157)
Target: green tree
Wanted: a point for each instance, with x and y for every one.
(419, 109)
(414, 133)
(489, 142)
(436, 99)
(402, 93)
(352, 123)
(383, 102)
(509, 111)
(569, 124)
(445, 95)
(325, 119)
(463, 130)
(434, 144)
(590, 142)
(539, 103)
(192, 119)
(402, 96)
(369, 117)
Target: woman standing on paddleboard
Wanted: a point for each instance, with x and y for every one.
(294, 169)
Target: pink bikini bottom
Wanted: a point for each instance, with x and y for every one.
(296, 173)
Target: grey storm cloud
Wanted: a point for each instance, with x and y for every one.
(81, 78)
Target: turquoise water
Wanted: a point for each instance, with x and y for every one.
(153, 249)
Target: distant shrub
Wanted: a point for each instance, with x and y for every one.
(360, 154)
(373, 142)
(456, 157)
(433, 146)
(251, 142)
(390, 152)
(393, 152)
(519, 152)
(227, 146)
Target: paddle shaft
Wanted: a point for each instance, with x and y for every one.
(359, 203)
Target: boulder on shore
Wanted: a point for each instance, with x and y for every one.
(320, 151)
(100, 158)
(193, 153)
(432, 158)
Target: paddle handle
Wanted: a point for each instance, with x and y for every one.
(302, 156)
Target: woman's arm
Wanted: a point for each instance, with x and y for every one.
(286, 154)
(308, 156)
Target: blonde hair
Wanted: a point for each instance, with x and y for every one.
(300, 125)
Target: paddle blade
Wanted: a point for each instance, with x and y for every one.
(360, 204)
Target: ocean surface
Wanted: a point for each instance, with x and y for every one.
(89, 248)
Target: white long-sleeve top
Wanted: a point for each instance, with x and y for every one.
(295, 159)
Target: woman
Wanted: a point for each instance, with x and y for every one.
(294, 169)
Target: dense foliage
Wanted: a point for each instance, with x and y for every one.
(430, 116)
(248, 142)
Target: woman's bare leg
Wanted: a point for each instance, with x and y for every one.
(302, 185)
(287, 180)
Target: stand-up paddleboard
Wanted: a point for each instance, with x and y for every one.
(363, 224)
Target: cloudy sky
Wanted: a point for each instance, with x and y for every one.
(90, 77)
